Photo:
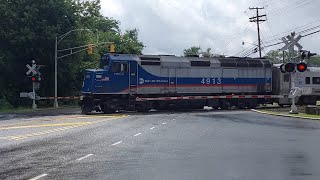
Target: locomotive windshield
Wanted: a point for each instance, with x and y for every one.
(104, 62)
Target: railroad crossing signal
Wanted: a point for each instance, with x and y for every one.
(290, 41)
(34, 69)
(302, 67)
(291, 67)
(35, 78)
(31, 69)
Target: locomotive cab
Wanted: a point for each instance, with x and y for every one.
(115, 76)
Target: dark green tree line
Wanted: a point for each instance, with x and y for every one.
(28, 31)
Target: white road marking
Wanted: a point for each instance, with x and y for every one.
(79, 159)
(116, 143)
(173, 119)
(152, 128)
(164, 123)
(38, 177)
(137, 134)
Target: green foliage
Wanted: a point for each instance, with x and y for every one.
(276, 56)
(314, 61)
(194, 50)
(4, 104)
(28, 31)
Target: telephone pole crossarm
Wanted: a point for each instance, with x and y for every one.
(258, 19)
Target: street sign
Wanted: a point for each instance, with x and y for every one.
(24, 94)
(30, 95)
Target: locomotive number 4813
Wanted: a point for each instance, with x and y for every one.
(211, 81)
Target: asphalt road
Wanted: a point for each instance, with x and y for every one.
(236, 145)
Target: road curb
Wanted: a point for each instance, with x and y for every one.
(284, 115)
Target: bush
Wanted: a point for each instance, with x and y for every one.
(4, 104)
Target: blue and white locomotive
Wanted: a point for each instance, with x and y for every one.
(124, 78)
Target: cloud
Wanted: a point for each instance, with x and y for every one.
(168, 27)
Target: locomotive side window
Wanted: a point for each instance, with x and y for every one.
(307, 80)
(118, 67)
(316, 80)
(286, 78)
(124, 67)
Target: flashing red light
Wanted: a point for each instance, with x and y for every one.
(301, 67)
(289, 67)
(33, 78)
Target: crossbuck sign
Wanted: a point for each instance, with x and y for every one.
(34, 69)
(290, 42)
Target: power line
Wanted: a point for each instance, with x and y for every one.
(277, 36)
(291, 7)
(310, 33)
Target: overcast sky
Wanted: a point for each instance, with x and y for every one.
(169, 26)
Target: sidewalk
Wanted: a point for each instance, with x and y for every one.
(285, 113)
(39, 112)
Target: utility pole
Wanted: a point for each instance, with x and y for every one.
(258, 19)
(55, 104)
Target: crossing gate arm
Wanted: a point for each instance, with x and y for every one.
(211, 97)
(67, 97)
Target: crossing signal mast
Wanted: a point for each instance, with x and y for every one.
(292, 67)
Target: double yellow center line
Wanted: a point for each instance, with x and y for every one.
(68, 125)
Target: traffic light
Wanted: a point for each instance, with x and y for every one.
(90, 46)
(112, 48)
(289, 67)
(301, 67)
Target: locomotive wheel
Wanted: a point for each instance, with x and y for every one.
(85, 109)
(215, 107)
(107, 110)
(143, 108)
(225, 105)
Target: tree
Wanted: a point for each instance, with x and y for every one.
(28, 31)
(314, 61)
(207, 53)
(276, 56)
(194, 50)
